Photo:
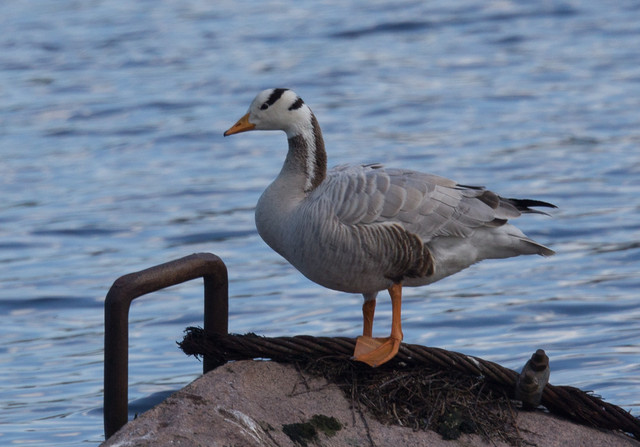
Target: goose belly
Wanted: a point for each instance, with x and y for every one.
(323, 250)
(338, 270)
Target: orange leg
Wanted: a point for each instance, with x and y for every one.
(376, 351)
(368, 310)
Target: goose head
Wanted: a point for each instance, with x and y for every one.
(275, 109)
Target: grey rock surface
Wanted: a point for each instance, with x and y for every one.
(261, 403)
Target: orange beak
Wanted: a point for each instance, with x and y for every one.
(242, 125)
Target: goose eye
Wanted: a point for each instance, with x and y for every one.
(264, 106)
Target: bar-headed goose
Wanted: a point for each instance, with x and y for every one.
(365, 228)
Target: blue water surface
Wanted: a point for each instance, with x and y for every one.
(113, 160)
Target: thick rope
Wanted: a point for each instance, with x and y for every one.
(569, 402)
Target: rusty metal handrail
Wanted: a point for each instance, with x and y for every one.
(116, 321)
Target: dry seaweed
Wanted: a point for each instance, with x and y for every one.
(448, 403)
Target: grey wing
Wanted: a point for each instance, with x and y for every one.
(388, 216)
(353, 201)
(423, 204)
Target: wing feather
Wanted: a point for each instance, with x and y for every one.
(393, 214)
(424, 204)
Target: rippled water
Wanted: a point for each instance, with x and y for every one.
(111, 121)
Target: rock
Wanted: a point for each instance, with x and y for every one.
(261, 403)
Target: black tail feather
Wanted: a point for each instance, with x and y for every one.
(523, 205)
